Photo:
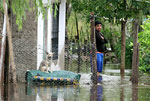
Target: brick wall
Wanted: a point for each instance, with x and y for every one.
(25, 45)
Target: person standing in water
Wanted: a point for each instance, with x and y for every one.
(100, 45)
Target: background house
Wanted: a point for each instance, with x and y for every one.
(36, 37)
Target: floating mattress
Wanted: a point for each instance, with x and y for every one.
(61, 77)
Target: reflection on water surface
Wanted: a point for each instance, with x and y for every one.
(109, 88)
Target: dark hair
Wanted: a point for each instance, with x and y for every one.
(97, 22)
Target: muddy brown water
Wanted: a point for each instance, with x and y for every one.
(110, 88)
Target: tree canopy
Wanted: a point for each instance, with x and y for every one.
(19, 8)
(112, 9)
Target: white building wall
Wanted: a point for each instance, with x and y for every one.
(61, 41)
(62, 24)
(39, 40)
(49, 48)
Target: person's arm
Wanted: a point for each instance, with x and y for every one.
(105, 40)
(97, 35)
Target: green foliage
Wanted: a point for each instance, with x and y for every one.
(118, 49)
(144, 41)
(1, 5)
(111, 9)
(83, 28)
(115, 11)
(128, 54)
(19, 8)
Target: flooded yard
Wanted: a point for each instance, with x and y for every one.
(110, 88)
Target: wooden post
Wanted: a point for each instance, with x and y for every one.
(94, 93)
(93, 50)
(79, 58)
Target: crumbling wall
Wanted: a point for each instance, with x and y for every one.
(25, 45)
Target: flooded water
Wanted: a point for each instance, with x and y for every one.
(110, 88)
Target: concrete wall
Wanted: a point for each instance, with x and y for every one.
(25, 45)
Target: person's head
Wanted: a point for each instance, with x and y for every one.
(98, 26)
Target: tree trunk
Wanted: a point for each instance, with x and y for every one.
(79, 48)
(135, 92)
(6, 62)
(93, 51)
(122, 92)
(68, 11)
(122, 95)
(135, 57)
(123, 47)
(12, 63)
(2, 55)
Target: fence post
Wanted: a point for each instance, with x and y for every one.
(93, 50)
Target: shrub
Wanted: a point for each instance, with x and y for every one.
(144, 41)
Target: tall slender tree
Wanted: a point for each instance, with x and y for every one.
(12, 63)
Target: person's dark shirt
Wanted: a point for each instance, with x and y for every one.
(100, 43)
